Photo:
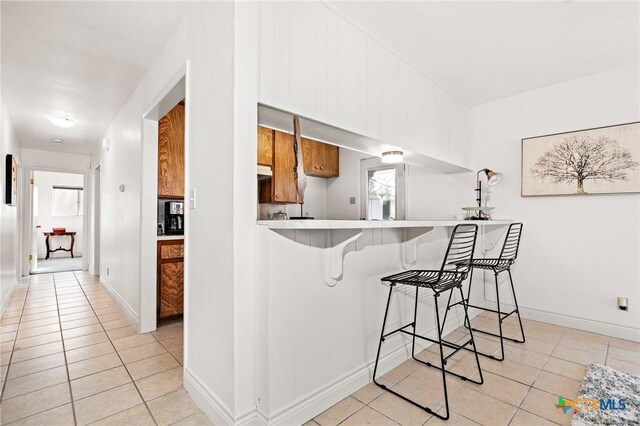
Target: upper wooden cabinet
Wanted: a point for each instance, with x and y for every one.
(275, 149)
(281, 188)
(265, 146)
(171, 154)
(320, 159)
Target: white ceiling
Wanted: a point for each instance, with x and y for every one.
(481, 51)
(78, 58)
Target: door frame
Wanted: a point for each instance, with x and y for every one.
(28, 214)
(176, 89)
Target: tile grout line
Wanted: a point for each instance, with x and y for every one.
(64, 351)
(118, 355)
(6, 378)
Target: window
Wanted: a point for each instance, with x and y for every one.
(382, 190)
(67, 201)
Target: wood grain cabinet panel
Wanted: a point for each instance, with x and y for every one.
(170, 280)
(320, 159)
(171, 154)
(265, 146)
(172, 295)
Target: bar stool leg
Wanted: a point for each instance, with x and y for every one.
(515, 301)
(415, 319)
(442, 361)
(384, 322)
(495, 274)
(473, 341)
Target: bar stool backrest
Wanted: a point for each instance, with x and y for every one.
(460, 250)
(511, 242)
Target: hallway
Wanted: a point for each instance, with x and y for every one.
(69, 356)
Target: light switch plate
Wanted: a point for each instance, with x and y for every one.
(192, 199)
(352, 200)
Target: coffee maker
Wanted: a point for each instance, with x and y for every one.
(174, 218)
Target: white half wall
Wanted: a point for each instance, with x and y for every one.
(9, 217)
(578, 253)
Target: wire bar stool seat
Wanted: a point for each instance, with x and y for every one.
(455, 269)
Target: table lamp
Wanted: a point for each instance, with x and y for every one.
(493, 178)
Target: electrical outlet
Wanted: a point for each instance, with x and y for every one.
(623, 303)
(107, 271)
(352, 200)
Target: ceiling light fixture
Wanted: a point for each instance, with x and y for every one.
(58, 141)
(392, 157)
(62, 121)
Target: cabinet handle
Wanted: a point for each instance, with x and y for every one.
(321, 167)
(277, 195)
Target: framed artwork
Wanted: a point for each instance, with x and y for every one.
(11, 181)
(603, 160)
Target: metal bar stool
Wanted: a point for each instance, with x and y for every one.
(450, 276)
(507, 258)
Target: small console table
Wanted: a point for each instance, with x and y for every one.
(59, 234)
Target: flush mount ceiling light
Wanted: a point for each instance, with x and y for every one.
(62, 120)
(392, 157)
(58, 141)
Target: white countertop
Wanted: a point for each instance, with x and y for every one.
(371, 224)
(170, 237)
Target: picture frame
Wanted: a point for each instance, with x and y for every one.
(11, 180)
(599, 160)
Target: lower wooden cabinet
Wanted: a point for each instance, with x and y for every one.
(170, 280)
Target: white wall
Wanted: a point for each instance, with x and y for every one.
(44, 182)
(318, 63)
(205, 38)
(578, 252)
(9, 218)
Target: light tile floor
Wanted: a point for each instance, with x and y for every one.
(69, 356)
(521, 390)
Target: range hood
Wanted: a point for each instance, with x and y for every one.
(264, 172)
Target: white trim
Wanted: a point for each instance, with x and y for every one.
(585, 324)
(215, 409)
(7, 300)
(129, 312)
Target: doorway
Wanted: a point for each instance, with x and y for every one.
(57, 221)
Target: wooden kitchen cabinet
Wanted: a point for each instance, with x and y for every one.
(320, 159)
(265, 146)
(171, 154)
(281, 188)
(170, 281)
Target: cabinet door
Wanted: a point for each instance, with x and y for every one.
(171, 289)
(283, 183)
(171, 154)
(320, 159)
(265, 146)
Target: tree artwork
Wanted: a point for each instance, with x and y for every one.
(585, 157)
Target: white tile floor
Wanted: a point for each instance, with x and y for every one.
(69, 356)
(522, 390)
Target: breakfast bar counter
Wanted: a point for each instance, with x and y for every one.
(339, 234)
(372, 224)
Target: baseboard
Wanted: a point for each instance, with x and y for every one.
(308, 406)
(8, 297)
(585, 324)
(217, 412)
(132, 315)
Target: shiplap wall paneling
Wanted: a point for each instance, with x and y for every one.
(316, 63)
